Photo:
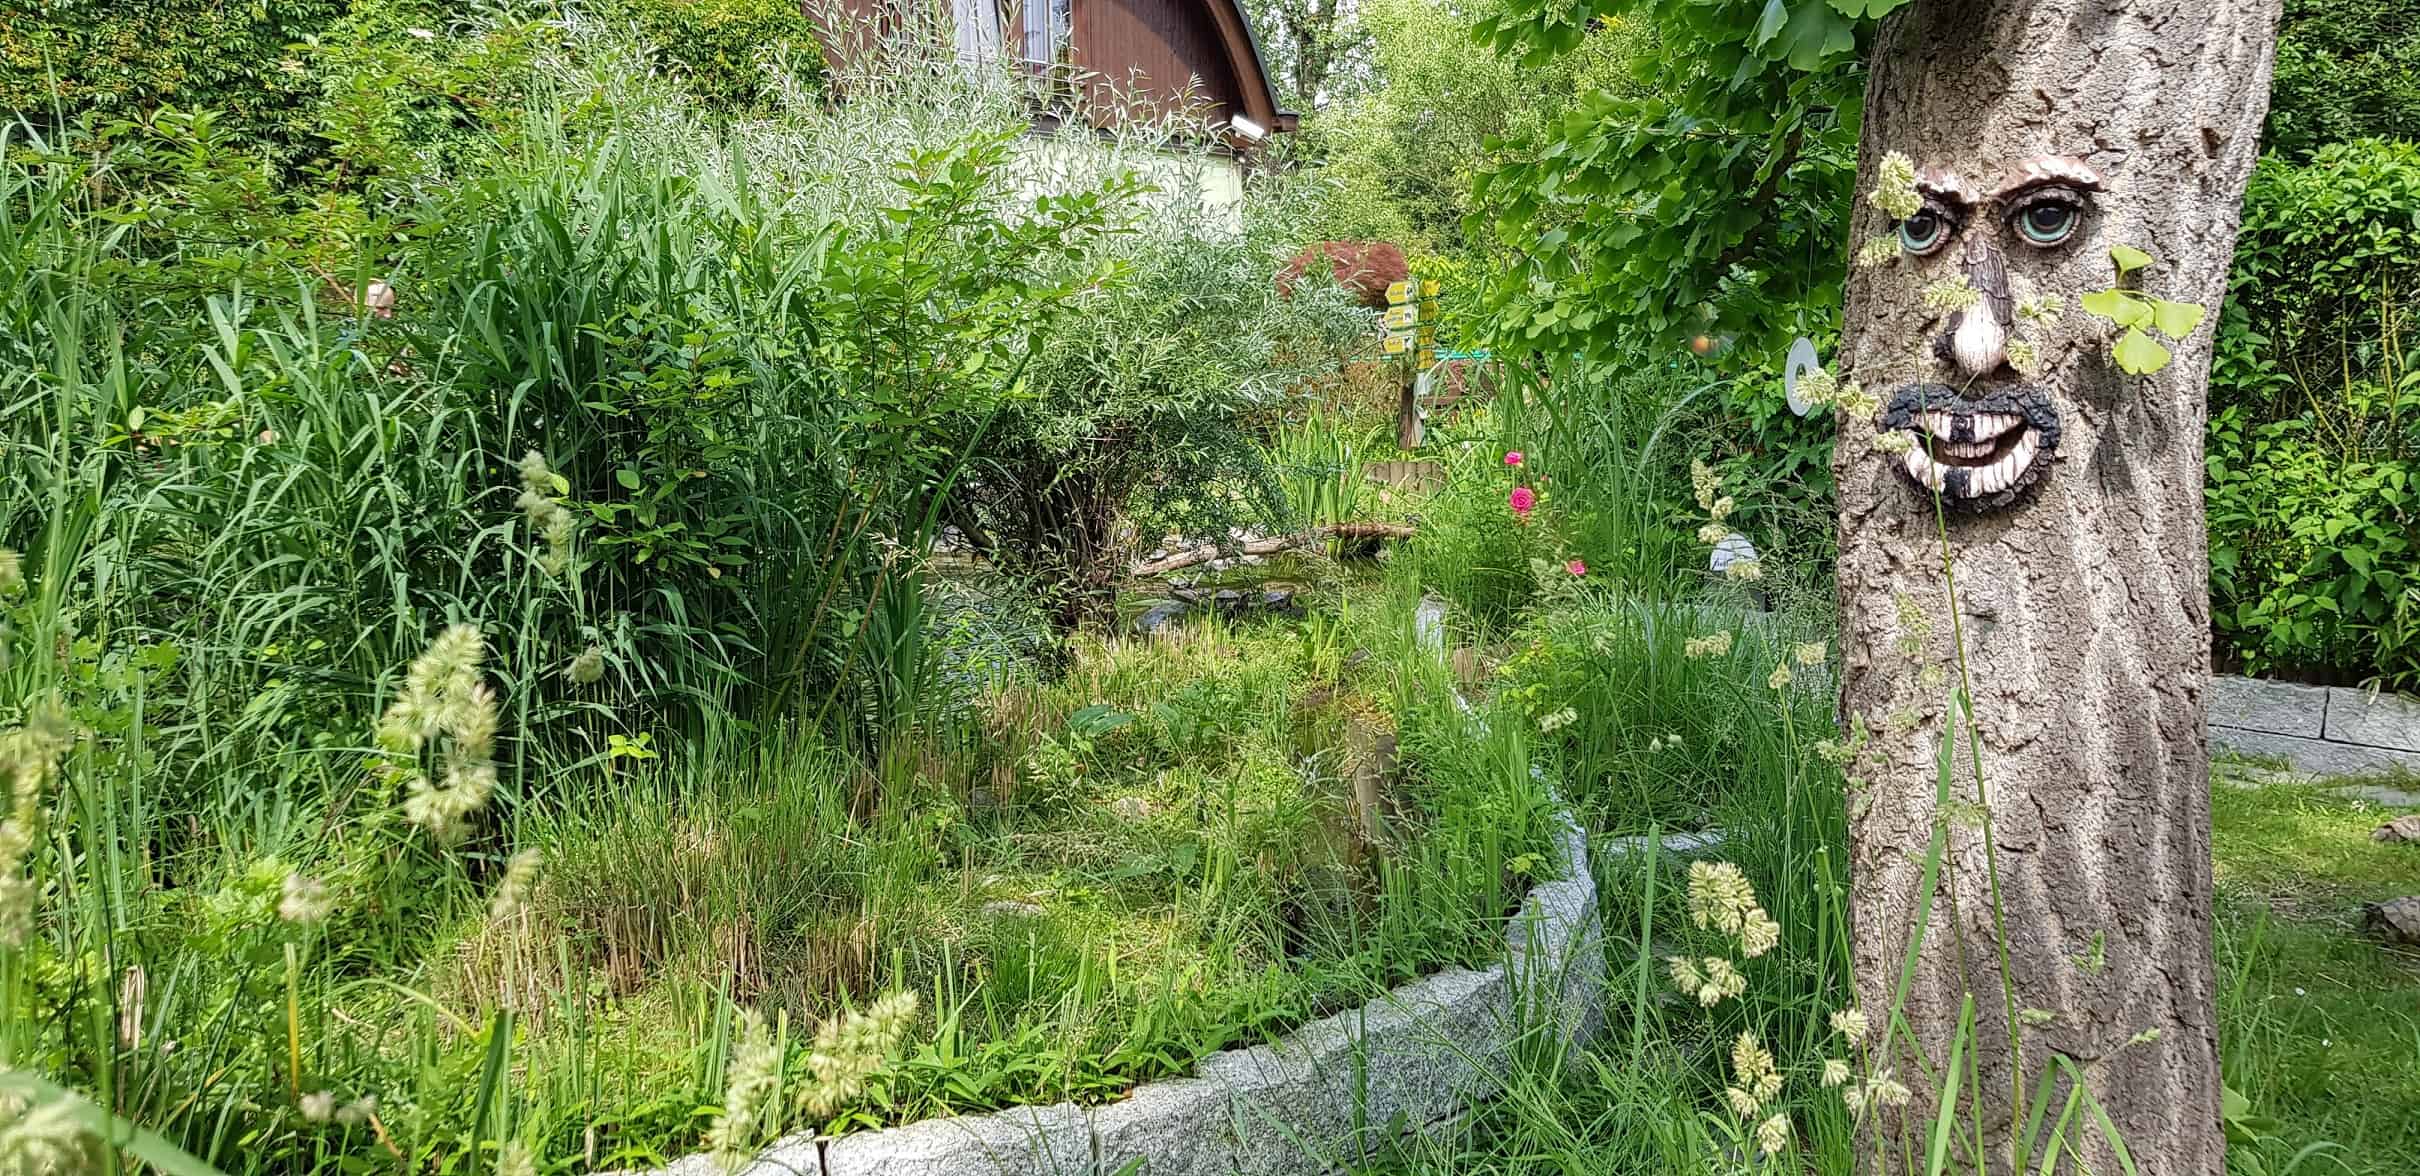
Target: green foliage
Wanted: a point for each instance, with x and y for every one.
(1659, 737)
(123, 60)
(654, 414)
(1403, 155)
(2312, 440)
(2326, 266)
(726, 52)
(2312, 566)
(1140, 402)
(2346, 69)
(2136, 352)
(1472, 548)
(1710, 206)
(409, 92)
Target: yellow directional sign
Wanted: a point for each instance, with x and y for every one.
(1402, 316)
(1395, 345)
(1399, 292)
(1428, 288)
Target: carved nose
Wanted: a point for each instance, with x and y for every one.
(1978, 344)
(1977, 340)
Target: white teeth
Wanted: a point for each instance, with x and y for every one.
(2021, 457)
(1986, 425)
(1924, 462)
(2002, 474)
(1923, 469)
(1991, 424)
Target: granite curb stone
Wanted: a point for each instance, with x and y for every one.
(2320, 730)
(2373, 720)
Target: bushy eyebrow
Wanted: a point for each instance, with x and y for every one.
(1946, 186)
(2041, 170)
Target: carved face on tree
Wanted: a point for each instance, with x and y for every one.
(1982, 425)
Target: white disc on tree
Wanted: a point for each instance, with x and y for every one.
(1802, 360)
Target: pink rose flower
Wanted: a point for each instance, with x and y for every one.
(1513, 458)
(1523, 500)
(1576, 568)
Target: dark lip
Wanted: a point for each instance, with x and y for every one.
(1906, 407)
(1913, 400)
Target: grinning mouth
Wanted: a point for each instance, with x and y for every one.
(1979, 453)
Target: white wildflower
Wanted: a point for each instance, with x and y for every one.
(1894, 191)
(305, 901)
(1773, 1134)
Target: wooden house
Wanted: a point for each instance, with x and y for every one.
(1140, 57)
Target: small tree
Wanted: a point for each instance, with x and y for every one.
(1142, 397)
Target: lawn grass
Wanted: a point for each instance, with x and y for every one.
(2319, 1021)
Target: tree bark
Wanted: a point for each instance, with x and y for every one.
(2076, 581)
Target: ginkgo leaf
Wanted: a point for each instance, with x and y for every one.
(2175, 319)
(2128, 258)
(2122, 307)
(1769, 23)
(2138, 354)
(1805, 34)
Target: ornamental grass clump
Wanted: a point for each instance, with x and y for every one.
(29, 761)
(547, 516)
(445, 705)
(853, 1048)
(749, 1082)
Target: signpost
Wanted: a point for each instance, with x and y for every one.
(1411, 329)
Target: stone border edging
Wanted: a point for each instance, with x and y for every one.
(2320, 730)
(1304, 1105)
(1415, 1057)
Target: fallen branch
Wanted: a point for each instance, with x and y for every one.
(1273, 545)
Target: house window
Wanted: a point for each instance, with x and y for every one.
(1035, 32)
(1044, 27)
(977, 28)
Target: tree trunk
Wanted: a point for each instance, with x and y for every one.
(2051, 524)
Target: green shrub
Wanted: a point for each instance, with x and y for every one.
(2346, 69)
(2326, 267)
(115, 59)
(2312, 435)
(1141, 402)
(2312, 564)
(720, 49)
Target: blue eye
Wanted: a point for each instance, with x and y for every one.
(2048, 223)
(1923, 232)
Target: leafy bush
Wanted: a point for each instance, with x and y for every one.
(1709, 205)
(124, 60)
(726, 52)
(2312, 440)
(1141, 401)
(2312, 564)
(2326, 266)
(2346, 69)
